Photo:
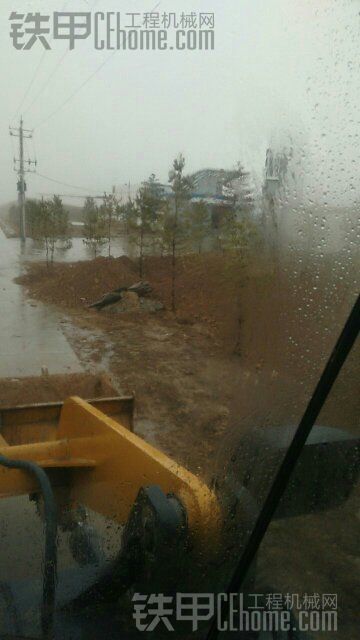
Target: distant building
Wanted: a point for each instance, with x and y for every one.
(222, 190)
(219, 189)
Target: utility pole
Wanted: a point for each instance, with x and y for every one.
(22, 134)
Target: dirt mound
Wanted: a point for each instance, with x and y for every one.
(288, 314)
(77, 284)
(205, 288)
(130, 301)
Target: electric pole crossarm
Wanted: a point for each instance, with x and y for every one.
(22, 134)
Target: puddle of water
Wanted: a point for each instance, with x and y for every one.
(32, 251)
(87, 347)
(31, 334)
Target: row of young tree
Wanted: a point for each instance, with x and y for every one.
(154, 222)
(48, 222)
(163, 224)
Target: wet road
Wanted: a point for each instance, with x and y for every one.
(31, 334)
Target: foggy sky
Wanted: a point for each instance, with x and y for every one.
(280, 68)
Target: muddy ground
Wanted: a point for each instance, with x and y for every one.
(244, 349)
(45, 388)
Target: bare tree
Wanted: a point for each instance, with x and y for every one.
(49, 223)
(94, 228)
(181, 187)
(109, 213)
(143, 217)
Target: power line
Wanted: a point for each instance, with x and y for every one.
(74, 93)
(53, 72)
(82, 85)
(70, 195)
(47, 81)
(13, 151)
(37, 69)
(30, 84)
(64, 184)
(34, 147)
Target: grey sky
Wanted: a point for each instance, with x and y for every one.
(278, 66)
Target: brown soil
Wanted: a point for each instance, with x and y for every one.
(245, 349)
(54, 388)
(246, 344)
(205, 293)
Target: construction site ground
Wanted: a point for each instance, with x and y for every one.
(243, 350)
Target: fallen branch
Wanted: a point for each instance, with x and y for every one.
(140, 288)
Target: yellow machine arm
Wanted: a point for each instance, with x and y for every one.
(105, 465)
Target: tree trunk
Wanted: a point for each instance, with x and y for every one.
(173, 260)
(173, 275)
(141, 253)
